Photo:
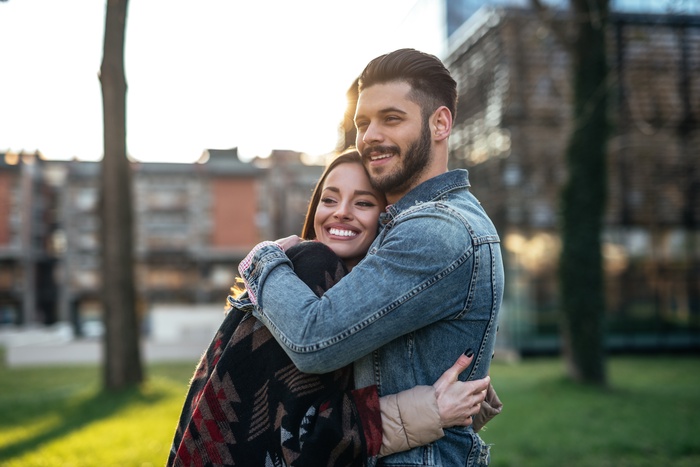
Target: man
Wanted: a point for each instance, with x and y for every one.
(432, 282)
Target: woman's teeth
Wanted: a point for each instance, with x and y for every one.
(342, 233)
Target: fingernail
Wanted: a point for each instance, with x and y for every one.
(469, 352)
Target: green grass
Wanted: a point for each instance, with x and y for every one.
(647, 417)
(57, 416)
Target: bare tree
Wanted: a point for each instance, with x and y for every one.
(584, 195)
(122, 365)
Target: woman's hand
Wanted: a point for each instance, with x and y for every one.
(459, 401)
(287, 242)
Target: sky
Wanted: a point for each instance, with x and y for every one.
(210, 74)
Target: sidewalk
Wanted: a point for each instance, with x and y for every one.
(91, 351)
(177, 334)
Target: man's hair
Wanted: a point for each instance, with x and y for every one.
(431, 83)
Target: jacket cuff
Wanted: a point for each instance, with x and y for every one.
(409, 419)
(491, 407)
(244, 269)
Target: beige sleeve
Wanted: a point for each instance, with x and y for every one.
(409, 419)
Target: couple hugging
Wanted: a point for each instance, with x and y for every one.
(336, 352)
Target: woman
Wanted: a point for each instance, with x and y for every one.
(249, 405)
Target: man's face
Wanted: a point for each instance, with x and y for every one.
(392, 137)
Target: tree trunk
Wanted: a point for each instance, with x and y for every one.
(122, 366)
(583, 198)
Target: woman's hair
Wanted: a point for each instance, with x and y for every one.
(349, 156)
(431, 83)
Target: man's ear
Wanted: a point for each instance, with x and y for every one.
(441, 123)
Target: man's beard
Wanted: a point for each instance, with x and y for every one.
(411, 167)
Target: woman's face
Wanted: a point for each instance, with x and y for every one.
(347, 213)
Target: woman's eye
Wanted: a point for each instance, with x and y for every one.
(366, 204)
(327, 200)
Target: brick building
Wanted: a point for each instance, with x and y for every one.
(193, 224)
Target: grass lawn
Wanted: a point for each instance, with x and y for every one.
(649, 416)
(57, 416)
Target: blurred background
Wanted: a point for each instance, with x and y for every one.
(234, 108)
(195, 220)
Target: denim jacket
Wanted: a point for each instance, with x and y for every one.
(429, 288)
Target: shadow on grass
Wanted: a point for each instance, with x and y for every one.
(73, 417)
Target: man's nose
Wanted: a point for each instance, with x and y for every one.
(372, 134)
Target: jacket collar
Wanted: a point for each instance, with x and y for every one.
(431, 189)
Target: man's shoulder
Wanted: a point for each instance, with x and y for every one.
(434, 225)
(450, 219)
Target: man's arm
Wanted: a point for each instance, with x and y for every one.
(388, 294)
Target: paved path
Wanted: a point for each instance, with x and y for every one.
(180, 334)
(91, 350)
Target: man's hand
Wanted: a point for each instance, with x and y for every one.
(287, 242)
(459, 401)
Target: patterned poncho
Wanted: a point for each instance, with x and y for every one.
(248, 405)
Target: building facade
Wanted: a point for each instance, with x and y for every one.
(193, 224)
(511, 131)
(27, 261)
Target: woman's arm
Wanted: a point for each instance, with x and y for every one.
(418, 415)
